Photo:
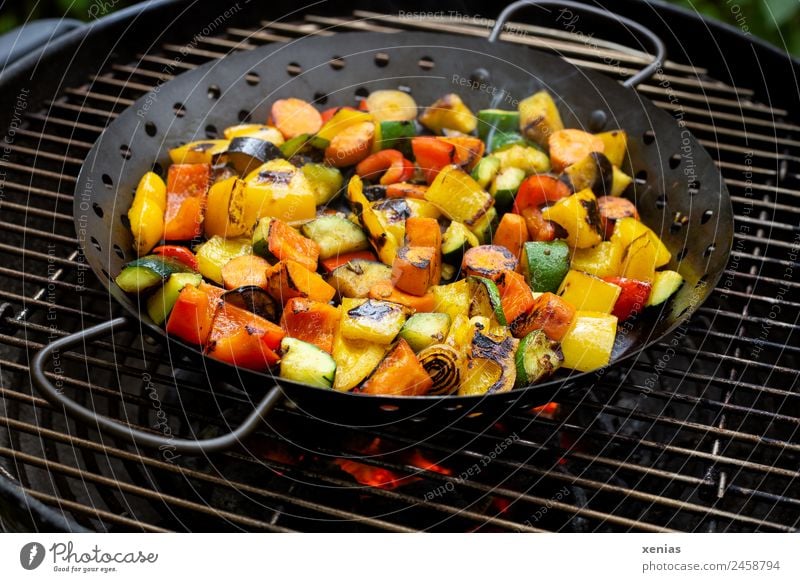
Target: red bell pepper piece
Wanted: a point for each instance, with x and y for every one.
(182, 254)
(539, 229)
(633, 297)
(243, 339)
(434, 153)
(538, 190)
(191, 317)
(187, 188)
(330, 264)
(390, 163)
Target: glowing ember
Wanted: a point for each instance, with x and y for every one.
(548, 411)
(368, 475)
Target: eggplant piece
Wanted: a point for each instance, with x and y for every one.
(594, 172)
(255, 300)
(245, 154)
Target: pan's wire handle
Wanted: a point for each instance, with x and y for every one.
(128, 433)
(657, 45)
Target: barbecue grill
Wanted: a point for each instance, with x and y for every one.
(700, 433)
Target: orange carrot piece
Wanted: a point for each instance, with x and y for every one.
(385, 291)
(311, 321)
(568, 146)
(245, 270)
(187, 189)
(295, 117)
(328, 265)
(406, 190)
(399, 374)
(515, 294)
(488, 261)
(425, 232)
(550, 313)
(412, 269)
(512, 233)
(351, 145)
(289, 279)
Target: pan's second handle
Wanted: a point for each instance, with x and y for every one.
(657, 44)
(136, 436)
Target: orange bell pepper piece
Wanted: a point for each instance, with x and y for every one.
(400, 374)
(390, 163)
(289, 279)
(191, 317)
(187, 189)
(311, 321)
(243, 339)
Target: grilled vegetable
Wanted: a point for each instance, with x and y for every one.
(199, 152)
(294, 117)
(246, 154)
(299, 145)
(490, 368)
(526, 158)
(632, 299)
(406, 190)
(412, 270)
(245, 270)
(160, 303)
(449, 112)
(391, 105)
(441, 362)
(452, 299)
(486, 226)
(394, 135)
(400, 373)
(589, 342)
(512, 233)
(539, 117)
(243, 339)
(434, 153)
(275, 241)
(306, 363)
(179, 253)
(255, 300)
(329, 265)
(496, 121)
(324, 180)
(343, 118)
(537, 358)
(539, 229)
(539, 190)
(146, 213)
(545, 264)
(588, 293)
(665, 284)
(569, 146)
(455, 242)
(384, 242)
(335, 236)
(602, 260)
(355, 360)
(390, 165)
(351, 145)
(277, 189)
(639, 259)
(311, 321)
(515, 295)
(257, 130)
(626, 230)
(422, 330)
(505, 186)
(594, 172)
(488, 261)
(458, 196)
(577, 215)
(615, 145)
(289, 279)
(187, 187)
(217, 221)
(355, 278)
(371, 320)
(619, 181)
(550, 313)
(612, 209)
(193, 313)
(485, 301)
(148, 272)
(486, 170)
(216, 252)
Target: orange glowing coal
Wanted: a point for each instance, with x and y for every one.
(549, 410)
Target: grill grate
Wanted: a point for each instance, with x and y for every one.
(708, 443)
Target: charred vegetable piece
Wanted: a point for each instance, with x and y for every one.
(187, 187)
(515, 295)
(355, 278)
(243, 339)
(199, 152)
(335, 235)
(146, 213)
(306, 363)
(289, 279)
(632, 299)
(458, 196)
(539, 190)
(525, 158)
(295, 117)
(193, 313)
(311, 321)
(615, 145)
(578, 216)
(490, 367)
(351, 145)
(486, 226)
(275, 240)
(160, 303)
(355, 360)
(612, 209)
(588, 293)
(485, 301)
(442, 363)
(449, 112)
(384, 242)
(422, 330)
(434, 153)
(246, 154)
(394, 135)
(539, 117)
(594, 172)
(244, 271)
(343, 118)
(216, 252)
(326, 182)
(178, 252)
(257, 130)
(406, 190)
(545, 264)
(665, 284)
(390, 165)
(569, 146)
(385, 291)
(400, 373)
(424, 232)
(371, 320)
(505, 186)
(627, 230)
(512, 233)
(550, 313)
(488, 261)
(391, 105)
(392, 213)
(457, 239)
(602, 260)
(217, 221)
(452, 299)
(147, 272)
(255, 300)
(277, 189)
(329, 265)
(639, 260)
(589, 342)
(537, 358)
(300, 145)
(412, 270)
(486, 170)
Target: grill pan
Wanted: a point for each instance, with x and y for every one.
(678, 191)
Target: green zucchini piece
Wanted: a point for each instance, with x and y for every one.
(296, 145)
(665, 284)
(494, 121)
(500, 141)
(537, 358)
(455, 242)
(545, 264)
(326, 181)
(160, 303)
(505, 186)
(485, 171)
(396, 135)
(485, 300)
(147, 272)
(335, 235)
(422, 330)
(306, 363)
(217, 251)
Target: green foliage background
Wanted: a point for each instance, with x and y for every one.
(777, 21)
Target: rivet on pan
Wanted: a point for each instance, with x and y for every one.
(480, 75)
(597, 120)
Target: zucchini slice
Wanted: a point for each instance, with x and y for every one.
(485, 301)
(537, 358)
(457, 239)
(485, 171)
(160, 303)
(306, 363)
(147, 272)
(425, 329)
(335, 235)
(665, 284)
(326, 181)
(505, 186)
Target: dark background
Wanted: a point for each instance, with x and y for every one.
(777, 21)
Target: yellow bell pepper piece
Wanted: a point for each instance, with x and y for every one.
(198, 152)
(371, 320)
(458, 196)
(452, 299)
(639, 261)
(619, 181)
(615, 145)
(626, 230)
(383, 241)
(602, 260)
(146, 213)
(588, 293)
(589, 342)
(340, 121)
(217, 221)
(525, 158)
(577, 214)
(449, 112)
(355, 360)
(257, 130)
